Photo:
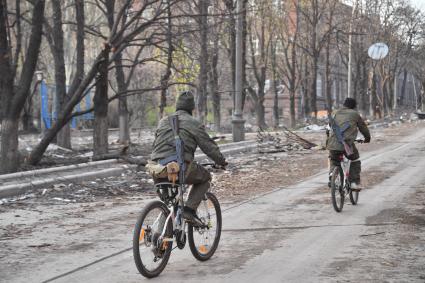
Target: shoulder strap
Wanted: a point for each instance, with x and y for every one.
(174, 123)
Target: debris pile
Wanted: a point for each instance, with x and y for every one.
(283, 141)
(131, 184)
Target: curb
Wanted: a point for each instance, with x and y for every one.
(17, 189)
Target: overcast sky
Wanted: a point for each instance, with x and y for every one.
(419, 4)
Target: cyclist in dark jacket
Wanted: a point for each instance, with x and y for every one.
(193, 134)
(342, 116)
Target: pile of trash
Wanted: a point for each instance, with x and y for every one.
(282, 141)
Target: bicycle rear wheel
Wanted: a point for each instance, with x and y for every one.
(203, 242)
(337, 189)
(354, 197)
(150, 252)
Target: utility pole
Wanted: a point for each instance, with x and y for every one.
(238, 122)
(350, 36)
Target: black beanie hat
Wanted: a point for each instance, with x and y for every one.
(350, 103)
(185, 101)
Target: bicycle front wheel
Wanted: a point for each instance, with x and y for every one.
(151, 251)
(337, 189)
(203, 242)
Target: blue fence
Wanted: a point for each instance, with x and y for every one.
(48, 116)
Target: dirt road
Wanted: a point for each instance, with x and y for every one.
(290, 234)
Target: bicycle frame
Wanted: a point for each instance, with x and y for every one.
(178, 222)
(345, 164)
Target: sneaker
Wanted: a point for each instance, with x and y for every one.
(355, 187)
(329, 181)
(190, 215)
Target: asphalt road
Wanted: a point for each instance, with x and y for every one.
(292, 234)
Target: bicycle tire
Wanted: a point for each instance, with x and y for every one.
(337, 191)
(354, 197)
(137, 235)
(193, 248)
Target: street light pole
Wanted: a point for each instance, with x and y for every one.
(238, 123)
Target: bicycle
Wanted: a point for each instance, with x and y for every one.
(340, 184)
(155, 233)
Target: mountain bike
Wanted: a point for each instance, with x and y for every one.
(160, 225)
(340, 183)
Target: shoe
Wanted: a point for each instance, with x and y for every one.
(355, 187)
(190, 215)
(329, 181)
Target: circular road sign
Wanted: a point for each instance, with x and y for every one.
(378, 51)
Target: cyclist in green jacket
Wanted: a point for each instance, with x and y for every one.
(348, 115)
(193, 134)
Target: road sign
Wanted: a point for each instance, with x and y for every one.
(378, 51)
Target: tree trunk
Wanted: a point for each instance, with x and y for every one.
(373, 98)
(79, 17)
(423, 97)
(167, 74)
(232, 42)
(203, 61)
(244, 42)
(9, 145)
(214, 87)
(64, 135)
(306, 89)
(328, 81)
(313, 90)
(14, 101)
(124, 125)
(100, 130)
(403, 87)
(123, 113)
(274, 86)
(292, 107)
(275, 105)
(260, 111)
(364, 92)
(384, 97)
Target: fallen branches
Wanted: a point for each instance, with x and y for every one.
(272, 142)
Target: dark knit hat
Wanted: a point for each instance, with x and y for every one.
(350, 103)
(185, 101)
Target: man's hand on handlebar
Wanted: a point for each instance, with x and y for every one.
(366, 140)
(215, 166)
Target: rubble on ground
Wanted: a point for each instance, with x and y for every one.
(314, 127)
(130, 184)
(282, 141)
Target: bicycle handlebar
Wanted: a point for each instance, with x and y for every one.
(213, 165)
(215, 138)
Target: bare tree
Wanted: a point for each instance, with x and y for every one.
(260, 36)
(289, 65)
(14, 98)
(122, 35)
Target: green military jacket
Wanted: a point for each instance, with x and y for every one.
(356, 123)
(193, 134)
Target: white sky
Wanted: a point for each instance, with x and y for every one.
(419, 4)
